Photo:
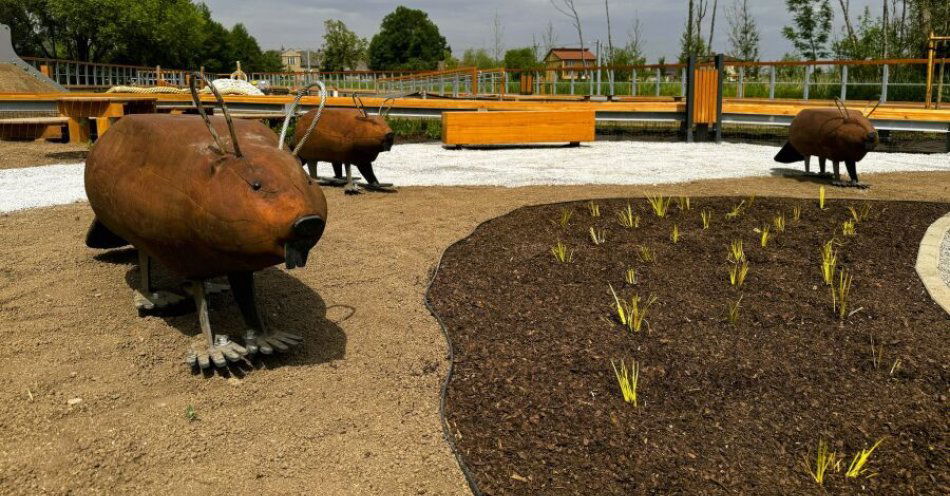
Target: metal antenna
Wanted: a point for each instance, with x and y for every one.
(204, 115)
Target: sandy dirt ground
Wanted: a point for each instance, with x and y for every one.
(17, 154)
(93, 397)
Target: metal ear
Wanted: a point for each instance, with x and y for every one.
(841, 108)
(385, 113)
(358, 102)
(224, 108)
(316, 118)
(292, 111)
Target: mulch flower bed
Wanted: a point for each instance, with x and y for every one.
(723, 407)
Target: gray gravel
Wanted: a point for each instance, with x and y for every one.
(943, 265)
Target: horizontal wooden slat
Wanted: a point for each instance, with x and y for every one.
(494, 128)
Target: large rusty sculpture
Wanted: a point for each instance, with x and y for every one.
(345, 137)
(839, 135)
(172, 188)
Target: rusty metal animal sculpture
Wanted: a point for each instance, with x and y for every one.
(839, 135)
(172, 188)
(346, 137)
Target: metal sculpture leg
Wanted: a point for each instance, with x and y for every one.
(807, 164)
(373, 184)
(351, 188)
(337, 179)
(144, 298)
(853, 174)
(822, 161)
(257, 338)
(219, 349)
(312, 167)
(837, 169)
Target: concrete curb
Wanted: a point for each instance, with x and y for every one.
(928, 260)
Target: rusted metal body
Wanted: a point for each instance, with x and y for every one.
(204, 207)
(345, 137)
(839, 135)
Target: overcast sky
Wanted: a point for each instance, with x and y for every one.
(467, 23)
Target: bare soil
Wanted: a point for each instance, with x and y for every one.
(354, 412)
(19, 154)
(723, 408)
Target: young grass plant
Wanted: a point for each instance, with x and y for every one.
(779, 223)
(821, 197)
(857, 467)
(847, 228)
(632, 314)
(627, 218)
(824, 460)
(764, 236)
(829, 260)
(736, 253)
(861, 215)
(841, 292)
(565, 218)
(627, 379)
(630, 276)
(683, 203)
(190, 413)
(675, 234)
(796, 213)
(645, 254)
(733, 311)
(561, 253)
(659, 204)
(593, 208)
(598, 236)
(706, 216)
(736, 211)
(738, 273)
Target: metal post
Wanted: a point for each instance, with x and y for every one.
(554, 83)
(573, 77)
(683, 83)
(633, 83)
(844, 83)
(808, 70)
(690, 96)
(931, 51)
(740, 91)
(885, 75)
(720, 69)
(772, 83)
(658, 77)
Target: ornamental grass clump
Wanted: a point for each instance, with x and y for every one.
(627, 379)
(561, 253)
(736, 211)
(829, 260)
(632, 314)
(706, 216)
(857, 467)
(732, 311)
(824, 460)
(736, 253)
(796, 214)
(841, 293)
(564, 218)
(598, 236)
(593, 208)
(847, 228)
(630, 276)
(779, 223)
(683, 203)
(659, 205)
(675, 234)
(645, 253)
(860, 215)
(738, 273)
(764, 236)
(821, 197)
(627, 218)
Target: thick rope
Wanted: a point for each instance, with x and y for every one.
(292, 111)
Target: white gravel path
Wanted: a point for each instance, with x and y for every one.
(605, 162)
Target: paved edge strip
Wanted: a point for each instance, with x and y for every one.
(928, 262)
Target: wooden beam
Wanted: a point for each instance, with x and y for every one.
(495, 128)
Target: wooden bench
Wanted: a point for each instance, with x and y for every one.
(31, 128)
(511, 128)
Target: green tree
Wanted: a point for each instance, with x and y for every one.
(407, 39)
(521, 58)
(342, 48)
(478, 58)
(812, 27)
(743, 32)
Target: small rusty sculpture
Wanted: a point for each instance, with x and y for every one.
(836, 134)
(172, 188)
(346, 137)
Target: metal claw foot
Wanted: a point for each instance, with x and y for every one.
(145, 302)
(850, 184)
(220, 353)
(380, 187)
(265, 344)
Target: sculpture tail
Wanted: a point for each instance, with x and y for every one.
(788, 154)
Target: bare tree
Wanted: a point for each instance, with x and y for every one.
(634, 46)
(610, 40)
(712, 25)
(549, 38)
(743, 32)
(567, 9)
(846, 13)
(498, 35)
(885, 30)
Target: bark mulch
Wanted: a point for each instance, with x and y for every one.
(723, 408)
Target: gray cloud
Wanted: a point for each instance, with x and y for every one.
(467, 24)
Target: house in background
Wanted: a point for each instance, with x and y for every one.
(299, 60)
(568, 58)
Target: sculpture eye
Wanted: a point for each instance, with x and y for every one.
(256, 185)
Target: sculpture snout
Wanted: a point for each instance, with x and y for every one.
(306, 230)
(388, 141)
(871, 142)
